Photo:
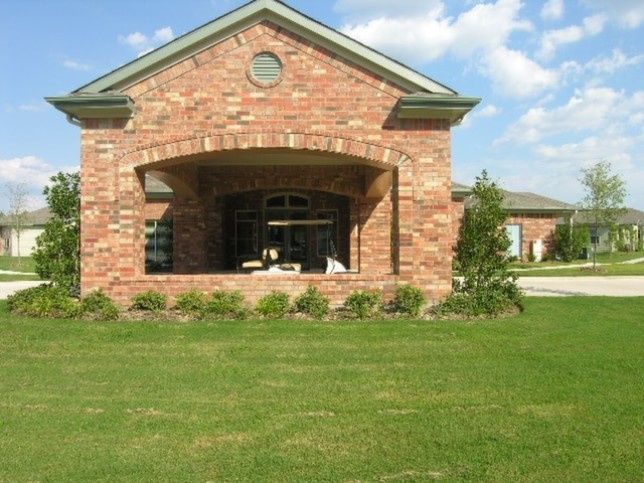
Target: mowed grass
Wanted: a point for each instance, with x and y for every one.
(24, 264)
(554, 394)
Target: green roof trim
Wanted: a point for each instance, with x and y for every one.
(432, 106)
(94, 106)
(251, 14)
(460, 190)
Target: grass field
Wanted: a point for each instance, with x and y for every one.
(610, 264)
(554, 394)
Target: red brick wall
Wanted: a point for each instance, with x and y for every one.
(205, 107)
(535, 226)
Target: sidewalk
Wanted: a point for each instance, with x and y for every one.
(579, 265)
(619, 286)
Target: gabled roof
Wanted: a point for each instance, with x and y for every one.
(34, 218)
(525, 202)
(630, 217)
(427, 99)
(531, 202)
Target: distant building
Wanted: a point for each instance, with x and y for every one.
(34, 226)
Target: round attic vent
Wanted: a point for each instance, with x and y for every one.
(266, 69)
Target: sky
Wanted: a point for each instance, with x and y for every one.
(562, 81)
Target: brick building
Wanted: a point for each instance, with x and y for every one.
(272, 131)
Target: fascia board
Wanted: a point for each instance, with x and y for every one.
(94, 106)
(247, 16)
(452, 107)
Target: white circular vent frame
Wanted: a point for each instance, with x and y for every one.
(265, 70)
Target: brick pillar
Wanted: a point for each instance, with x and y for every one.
(190, 251)
(375, 236)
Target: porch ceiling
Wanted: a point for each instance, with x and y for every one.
(271, 157)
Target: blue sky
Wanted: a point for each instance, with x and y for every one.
(562, 81)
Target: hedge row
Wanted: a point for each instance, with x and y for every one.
(52, 302)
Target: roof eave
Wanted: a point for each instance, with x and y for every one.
(454, 107)
(100, 106)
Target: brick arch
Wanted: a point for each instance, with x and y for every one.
(173, 152)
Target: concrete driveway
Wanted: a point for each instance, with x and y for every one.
(569, 286)
(7, 288)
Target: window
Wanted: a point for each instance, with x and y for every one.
(245, 233)
(158, 245)
(327, 235)
(594, 237)
(287, 201)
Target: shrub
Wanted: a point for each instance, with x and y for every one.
(227, 305)
(569, 242)
(193, 303)
(44, 301)
(99, 305)
(150, 300)
(532, 257)
(481, 251)
(363, 305)
(501, 297)
(274, 305)
(312, 303)
(408, 300)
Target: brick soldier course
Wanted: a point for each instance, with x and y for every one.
(335, 124)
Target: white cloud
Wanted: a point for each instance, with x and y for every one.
(33, 107)
(514, 75)
(73, 65)
(30, 170)
(144, 44)
(432, 34)
(591, 149)
(479, 34)
(552, 39)
(553, 10)
(609, 65)
(626, 13)
(489, 111)
(378, 8)
(595, 109)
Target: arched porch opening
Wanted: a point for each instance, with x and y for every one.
(220, 217)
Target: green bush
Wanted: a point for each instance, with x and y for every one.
(569, 242)
(193, 303)
(99, 305)
(312, 303)
(408, 300)
(150, 300)
(275, 305)
(499, 298)
(227, 305)
(363, 305)
(44, 301)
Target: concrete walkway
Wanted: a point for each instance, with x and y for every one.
(7, 288)
(619, 286)
(579, 265)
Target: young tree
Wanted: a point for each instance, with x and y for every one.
(603, 199)
(482, 255)
(57, 252)
(18, 216)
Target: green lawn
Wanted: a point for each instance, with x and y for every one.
(554, 394)
(24, 264)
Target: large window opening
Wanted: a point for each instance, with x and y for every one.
(292, 242)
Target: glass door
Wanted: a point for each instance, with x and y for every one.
(290, 241)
